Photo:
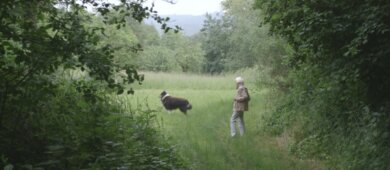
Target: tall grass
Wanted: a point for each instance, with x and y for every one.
(203, 136)
(177, 81)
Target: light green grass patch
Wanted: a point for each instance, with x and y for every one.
(177, 81)
(203, 136)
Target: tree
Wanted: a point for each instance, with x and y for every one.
(123, 42)
(173, 52)
(215, 32)
(46, 119)
(252, 46)
(157, 58)
(341, 69)
(235, 41)
(187, 54)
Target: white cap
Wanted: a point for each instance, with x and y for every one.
(239, 80)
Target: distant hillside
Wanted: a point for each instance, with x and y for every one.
(191, 24)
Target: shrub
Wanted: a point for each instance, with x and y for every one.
(74, 129)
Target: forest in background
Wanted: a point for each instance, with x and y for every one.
(190, 24)
(325, 62)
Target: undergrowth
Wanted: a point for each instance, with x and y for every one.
(78, 128)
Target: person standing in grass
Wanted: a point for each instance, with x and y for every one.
(240, 104)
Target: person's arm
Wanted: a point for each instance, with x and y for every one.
(242, 96)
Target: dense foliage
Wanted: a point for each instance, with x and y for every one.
(340, 86)
(215, 33)
(235, 41)
(61, 68)
(58, 69)
(172, 52)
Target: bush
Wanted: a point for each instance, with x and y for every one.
(51, 121)
(76, 128)
(339, 85)
(329, 123)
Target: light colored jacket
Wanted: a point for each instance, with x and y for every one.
(241, 99)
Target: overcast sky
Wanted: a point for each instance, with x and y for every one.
(187, 7)
(183, 7)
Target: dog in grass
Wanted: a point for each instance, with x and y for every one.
(172, 103)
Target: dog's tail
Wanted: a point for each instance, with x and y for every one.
(189, 106)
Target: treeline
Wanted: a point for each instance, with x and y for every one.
(60, 70)
(337, 106)
(172, 52)
(227, 42)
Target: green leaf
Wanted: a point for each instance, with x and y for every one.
(9, 167)
(120, 91)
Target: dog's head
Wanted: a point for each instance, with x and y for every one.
(163, 93)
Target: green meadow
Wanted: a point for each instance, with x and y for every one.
(202, 137)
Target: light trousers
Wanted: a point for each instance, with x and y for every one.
(239, 117)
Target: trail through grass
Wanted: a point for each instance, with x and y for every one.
(203, 136)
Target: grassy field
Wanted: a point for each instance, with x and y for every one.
(203, 136)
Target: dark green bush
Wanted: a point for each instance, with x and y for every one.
(339, 78)
(76, 130)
